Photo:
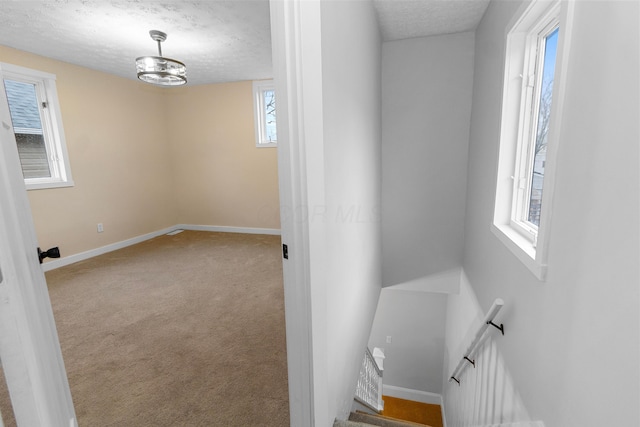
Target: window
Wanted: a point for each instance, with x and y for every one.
(37, 124)
(264, 106)
(531, 109)
(537, 92)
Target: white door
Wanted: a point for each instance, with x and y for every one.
(29, 347)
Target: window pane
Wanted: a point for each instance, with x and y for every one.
(25, 117)
(33, 156)
(542, 129)
(270, 115)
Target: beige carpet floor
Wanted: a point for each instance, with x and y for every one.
(183, 330)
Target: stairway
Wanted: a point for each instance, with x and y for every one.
(397, 413)
(364, 419)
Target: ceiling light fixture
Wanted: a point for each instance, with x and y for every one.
(159, 70)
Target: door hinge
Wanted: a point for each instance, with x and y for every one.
(285, 251)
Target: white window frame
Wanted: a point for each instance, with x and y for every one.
(259, 112)
(529, 111)
(51, 119)
(531, 25)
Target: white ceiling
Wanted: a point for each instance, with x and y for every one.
(405, 19)
(218, 40)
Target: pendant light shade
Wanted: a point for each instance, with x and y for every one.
(159, 70)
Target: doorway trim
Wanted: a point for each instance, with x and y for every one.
(297, 70)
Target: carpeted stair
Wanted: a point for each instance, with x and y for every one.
(340, 423)
(361, 419)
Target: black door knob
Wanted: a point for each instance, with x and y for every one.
(51, 253)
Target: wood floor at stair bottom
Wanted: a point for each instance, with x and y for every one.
(418, 412)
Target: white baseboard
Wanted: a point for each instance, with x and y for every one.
(444, 414)
(227, 229)
(357, 406)
(61, 262)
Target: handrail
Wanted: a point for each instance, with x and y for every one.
(468, 356)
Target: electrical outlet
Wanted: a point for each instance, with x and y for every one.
(388, 339)
(100, 227)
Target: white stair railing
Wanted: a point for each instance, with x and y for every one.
(369, 388)
(475, 344)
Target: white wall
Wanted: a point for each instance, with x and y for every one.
(426, 107)
(571, 346)
(327, 72)
(415, 321)
(351, 48)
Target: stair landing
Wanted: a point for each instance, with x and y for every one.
(417, 412)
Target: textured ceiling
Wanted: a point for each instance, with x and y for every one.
(219, 41)
(404, 19)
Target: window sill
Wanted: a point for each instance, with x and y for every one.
(47, 185)
(267, 145)
(522, 248)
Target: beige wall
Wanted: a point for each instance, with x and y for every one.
(221, 177)
(126, 159)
